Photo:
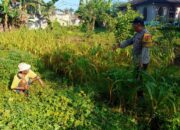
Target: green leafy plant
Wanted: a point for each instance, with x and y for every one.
(7, 14)
(84, 64)
(93, 11)
(124, 26)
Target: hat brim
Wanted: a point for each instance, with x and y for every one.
(27, 67)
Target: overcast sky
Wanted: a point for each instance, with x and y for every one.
(64, 4)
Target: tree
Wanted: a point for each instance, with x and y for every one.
(39, 6)
(49, 8)
(7, 14)
(13, 12)
(93, 11)
(123, 26)
(80, 2)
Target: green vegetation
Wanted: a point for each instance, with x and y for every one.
(15, 16)
(89, 86)
(58, 106)
(95, 11)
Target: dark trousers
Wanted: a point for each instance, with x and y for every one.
(138, 71)
(139, 78)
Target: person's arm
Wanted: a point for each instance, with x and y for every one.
(34, 77)
(19, 88)
(41, 82)
(15, 84)
(126, 43)
(37, 78)
(123, 44)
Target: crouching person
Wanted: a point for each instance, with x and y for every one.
(24, 78)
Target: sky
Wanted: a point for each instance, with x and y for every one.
(74, 4)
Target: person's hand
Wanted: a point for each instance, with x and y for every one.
(21, 76)
(43, 84)
(115, 47)
(26, 87)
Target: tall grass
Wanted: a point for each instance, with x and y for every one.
(88, 60)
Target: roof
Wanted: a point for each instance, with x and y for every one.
(137, 2)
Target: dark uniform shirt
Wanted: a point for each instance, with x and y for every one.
(140, 53)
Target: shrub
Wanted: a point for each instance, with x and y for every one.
(88, 61)
(124, 27)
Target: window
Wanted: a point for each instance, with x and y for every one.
(172, 12)
(160, 11)
(145, 13)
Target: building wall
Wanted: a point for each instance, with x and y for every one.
(63, 23)
(177, 16)
(152, 11)
(65, 19)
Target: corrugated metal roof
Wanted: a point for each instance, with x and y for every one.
(134, 2)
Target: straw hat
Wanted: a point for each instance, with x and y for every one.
(23, 67)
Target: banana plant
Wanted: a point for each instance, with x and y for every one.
(7, 14)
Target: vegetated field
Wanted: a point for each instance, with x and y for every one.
(88, 86)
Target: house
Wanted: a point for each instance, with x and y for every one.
(65, 18)
(36, 22)
(157, 10)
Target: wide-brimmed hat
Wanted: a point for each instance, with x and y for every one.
(23, 67)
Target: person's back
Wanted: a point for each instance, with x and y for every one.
(140, 52)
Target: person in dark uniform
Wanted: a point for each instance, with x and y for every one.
(141, 42)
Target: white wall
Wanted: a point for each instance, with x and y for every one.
(65, 19)
(177, 16)
(151, 11)
(36, 24)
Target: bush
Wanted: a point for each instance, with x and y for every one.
(50, 107)
(124, 27)
(88, 61)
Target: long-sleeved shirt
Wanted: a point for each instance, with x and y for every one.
(140, 53)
